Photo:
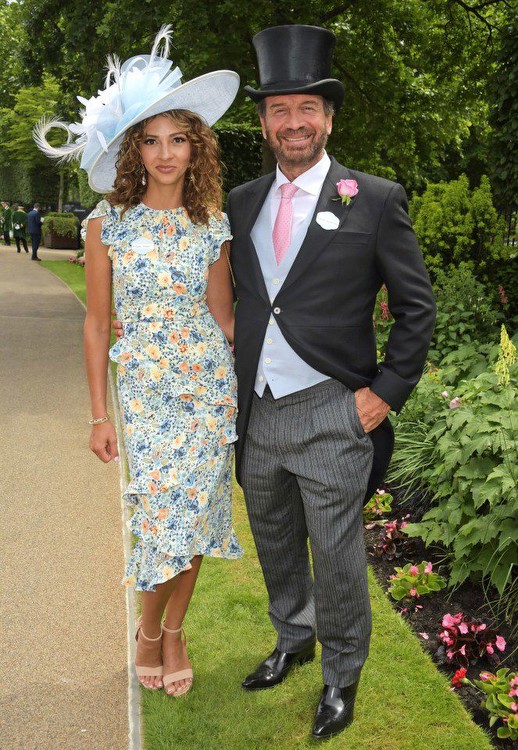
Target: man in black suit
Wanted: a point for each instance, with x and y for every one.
(314, 438)
(34, 222)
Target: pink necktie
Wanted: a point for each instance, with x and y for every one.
(282, 226)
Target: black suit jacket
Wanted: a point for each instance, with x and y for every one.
(325, 306)
(34, 222)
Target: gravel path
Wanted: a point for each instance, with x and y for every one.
(63, 621)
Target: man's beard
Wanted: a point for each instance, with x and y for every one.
(297, 157)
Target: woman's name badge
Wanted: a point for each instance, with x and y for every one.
(327, 220)
(142, 245)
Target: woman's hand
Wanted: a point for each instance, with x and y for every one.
(103, 442)
(118, 330)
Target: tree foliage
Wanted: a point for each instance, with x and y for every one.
(416, 73)
(30, 105)
(503, 94)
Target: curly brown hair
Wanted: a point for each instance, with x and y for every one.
(202, 191)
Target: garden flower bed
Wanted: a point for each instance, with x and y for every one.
(435, 617)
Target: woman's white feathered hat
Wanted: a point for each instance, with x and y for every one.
(142, 87)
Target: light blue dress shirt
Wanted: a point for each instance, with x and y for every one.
(279, 366)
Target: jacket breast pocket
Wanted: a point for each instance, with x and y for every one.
(347, 239)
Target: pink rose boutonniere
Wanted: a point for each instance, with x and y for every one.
(347, 189)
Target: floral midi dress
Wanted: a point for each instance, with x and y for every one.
(176, 386)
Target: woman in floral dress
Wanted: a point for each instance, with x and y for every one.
(159, 244)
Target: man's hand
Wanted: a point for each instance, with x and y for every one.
(372, 410)
(117, 327)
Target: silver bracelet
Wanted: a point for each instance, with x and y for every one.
(100, 420)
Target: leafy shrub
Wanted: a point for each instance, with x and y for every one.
(469, 466)
(455, 224)
(62, 224)
(465, 312)
(501, 700)
(379, 504)
(459, 439)
(414, 581)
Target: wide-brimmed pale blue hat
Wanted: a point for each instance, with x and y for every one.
(142, 87)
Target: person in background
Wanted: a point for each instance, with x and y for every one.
(6, 222)
(19, 224)
(34, 224)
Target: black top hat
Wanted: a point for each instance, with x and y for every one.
(296, 59)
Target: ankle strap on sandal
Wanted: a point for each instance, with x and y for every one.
(168, 630)
(144, 636)
(178, 630)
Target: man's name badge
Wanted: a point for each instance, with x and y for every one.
(142, 245)
(327, 220)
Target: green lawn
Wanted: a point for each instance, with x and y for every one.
(72, 274)
(403, 703)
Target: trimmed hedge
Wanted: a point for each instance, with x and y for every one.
(62, 224)
(20, 184)
(87, 196)
(240, 153)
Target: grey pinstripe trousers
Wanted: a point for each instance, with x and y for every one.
(306, 464)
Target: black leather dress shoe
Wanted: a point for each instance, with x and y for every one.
(276, 667)
(334, 711)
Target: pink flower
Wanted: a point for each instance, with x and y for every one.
(482, 626)
(380, 492)
(463, 650)
(513, 693)
(454, 403)
(445, 638)
(500, 643)
(490, 649)
(486, 676)
(414, 570)
(445, 394)
(463, 628)
(403, 524)
(347, 189)
(449, 621)
(428, 568)
(425, 636)
(514, 707)
(514, 682)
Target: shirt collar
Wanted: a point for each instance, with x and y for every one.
(310, 181)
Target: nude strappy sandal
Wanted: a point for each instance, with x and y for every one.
(183, 674)
(147, 671)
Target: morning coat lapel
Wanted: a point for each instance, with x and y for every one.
(316, 237)
(257, 194)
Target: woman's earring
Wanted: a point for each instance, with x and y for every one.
(143, 172)
(144, 180)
